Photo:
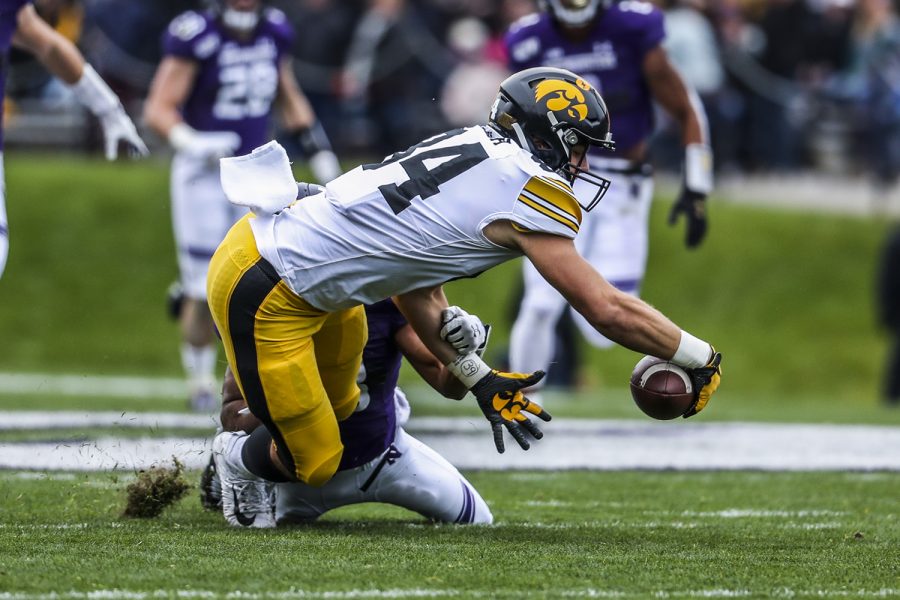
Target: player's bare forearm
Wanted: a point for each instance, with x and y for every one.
(623, 318)
(672, 93)
(422, 309)
(52, 49)
(169, 90)
(427, 365)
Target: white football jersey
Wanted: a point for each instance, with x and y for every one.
(414, 220)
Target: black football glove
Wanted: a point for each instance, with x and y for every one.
(500, 398)
(693, 205)
(706, 381)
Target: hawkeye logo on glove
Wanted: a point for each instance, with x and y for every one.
(508, 404)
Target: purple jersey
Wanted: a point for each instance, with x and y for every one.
(8, 11)
(370, 430)
(610, 57)
(237, 78)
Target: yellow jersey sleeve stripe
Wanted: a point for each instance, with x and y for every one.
(551, 207)
(555, 193)
(546, 211)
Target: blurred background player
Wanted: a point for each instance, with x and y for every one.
(617, 48)
(22, 27)
(381, 462)
(212, 96)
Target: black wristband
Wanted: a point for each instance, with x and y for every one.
(312, 140)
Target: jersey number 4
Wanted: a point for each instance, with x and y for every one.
(424, 182)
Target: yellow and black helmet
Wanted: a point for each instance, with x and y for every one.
(548, 111)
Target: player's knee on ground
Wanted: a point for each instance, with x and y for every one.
(319, 471)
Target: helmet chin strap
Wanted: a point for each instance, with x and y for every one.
(520, 136)
(240, 20)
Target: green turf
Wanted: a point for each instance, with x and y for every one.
(787, 297)
(631, 535)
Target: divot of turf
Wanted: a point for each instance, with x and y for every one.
(154, 489)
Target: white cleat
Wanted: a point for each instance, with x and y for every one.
(247, 500)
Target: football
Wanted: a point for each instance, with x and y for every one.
(661, 389)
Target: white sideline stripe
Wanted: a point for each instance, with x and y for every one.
(72, 419)
(569, 444)
(92, 385)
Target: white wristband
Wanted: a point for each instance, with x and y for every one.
(181, 136)
(469, 369)
(692, 352)
(93, 92)
(698, 168)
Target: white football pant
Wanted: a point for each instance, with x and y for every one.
(408, 474)
(4, 223)
(613, 238)
(201, 216)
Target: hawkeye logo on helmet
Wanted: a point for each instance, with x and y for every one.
(559, 95)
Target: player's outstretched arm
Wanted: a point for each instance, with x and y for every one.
(684, 106)
(64, 60)
(621, 317)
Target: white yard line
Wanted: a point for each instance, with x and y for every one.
(92, 385)
(569, 444)
(76, 419)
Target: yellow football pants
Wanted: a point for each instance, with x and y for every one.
(295, 364)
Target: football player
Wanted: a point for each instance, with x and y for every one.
(380, 462)
(20, 25)
(288, 283)
(617, 48)
(212, 96)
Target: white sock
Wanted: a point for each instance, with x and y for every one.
(199, 364)
(234, 456)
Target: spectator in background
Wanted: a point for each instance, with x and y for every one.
(693, 48)
(395, 67)
(473, 83)
(20, 25)
(324, 29)
(212, 96)
(873, 81)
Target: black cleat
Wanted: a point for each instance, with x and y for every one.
(210, 487)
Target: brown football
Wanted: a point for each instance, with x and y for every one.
(661, 389)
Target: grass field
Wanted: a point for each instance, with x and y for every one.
(786, 296)
(570, 534)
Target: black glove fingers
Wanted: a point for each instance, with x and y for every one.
(498, 437)
(533, 429)
(517, 434)
(531, 379)
(537, 410)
